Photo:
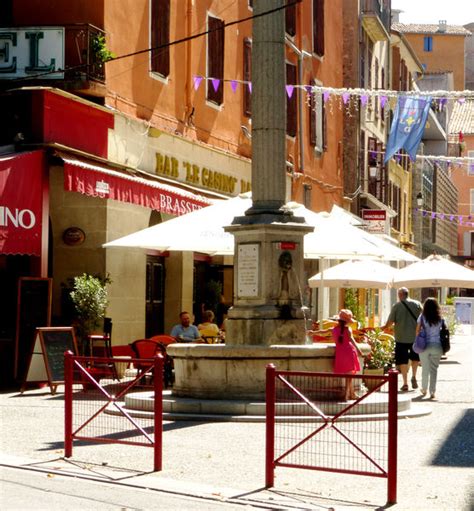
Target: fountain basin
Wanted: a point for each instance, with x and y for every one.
(238, 372)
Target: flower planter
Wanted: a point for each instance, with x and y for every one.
(372, 382)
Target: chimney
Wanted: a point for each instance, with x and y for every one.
(396, 15)
(442, 26)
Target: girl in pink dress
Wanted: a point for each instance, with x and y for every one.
(346, 359)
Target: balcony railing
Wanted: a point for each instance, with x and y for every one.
(79, 49)
(377, 9)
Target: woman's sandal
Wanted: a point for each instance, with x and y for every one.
(404, 388)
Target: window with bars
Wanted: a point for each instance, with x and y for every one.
(247, 75)
(318, 27)
(215, 59)
(160, 37)
(291, 103)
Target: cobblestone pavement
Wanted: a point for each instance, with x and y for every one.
(225, 461)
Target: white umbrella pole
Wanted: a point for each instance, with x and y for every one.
(321, 296)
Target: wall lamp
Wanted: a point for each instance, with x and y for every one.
(419, 199)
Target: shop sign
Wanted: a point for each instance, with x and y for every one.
(197, 175)
(21, 203)
(25, 52)
(376, 221)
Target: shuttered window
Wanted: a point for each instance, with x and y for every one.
(160, 36)
(247, 74)
(215, 59)
(317, 122)
(290, 19)
(291, 120)
(318, 27)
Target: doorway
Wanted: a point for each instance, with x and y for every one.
(155, 287)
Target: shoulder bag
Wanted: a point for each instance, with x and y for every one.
(444, 337)
(419, 345)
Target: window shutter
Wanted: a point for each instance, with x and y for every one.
(291, 102)
(160, 35)
(290, 19)
(215, 58)
(312, 119)
(325, 126)
(318, 27)
(247, 77)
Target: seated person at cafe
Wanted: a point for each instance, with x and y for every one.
(184, 331)
(208, 328)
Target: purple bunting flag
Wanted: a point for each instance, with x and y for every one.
(233, 85)
(249, 84)
(289, 90)
(364, 99)
(345, 97)
(215, 83)
(383, 101)
(197, 82)
(326, 96)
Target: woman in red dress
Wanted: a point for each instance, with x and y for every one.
(346, 360)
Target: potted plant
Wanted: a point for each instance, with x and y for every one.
(89, 296)
(379, 359)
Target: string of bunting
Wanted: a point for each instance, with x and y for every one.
(450, 161)
(346, 94)
(464, 220)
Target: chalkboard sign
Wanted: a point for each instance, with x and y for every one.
(33, 311)
(47, 357)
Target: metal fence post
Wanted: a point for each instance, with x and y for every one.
(392, 436)
(158, 412)
(68, 380)
(270, 426)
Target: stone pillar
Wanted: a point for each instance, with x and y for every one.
(268, 258)
(268, 117)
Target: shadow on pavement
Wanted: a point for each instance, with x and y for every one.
(86, 468)
(458, 448)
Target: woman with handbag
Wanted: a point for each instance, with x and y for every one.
(431, 321)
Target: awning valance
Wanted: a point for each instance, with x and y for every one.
(21, 203)
(98, 180)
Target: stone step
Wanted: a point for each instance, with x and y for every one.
(374, 406)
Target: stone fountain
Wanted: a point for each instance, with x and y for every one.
(266, 323)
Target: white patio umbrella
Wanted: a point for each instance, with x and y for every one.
(203, 231)
(355, 274)
(434, 271)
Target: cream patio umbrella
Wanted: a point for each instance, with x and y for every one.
(434, 271)
(355, 274)
(203, 231)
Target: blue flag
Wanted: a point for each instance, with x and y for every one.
(408, 125)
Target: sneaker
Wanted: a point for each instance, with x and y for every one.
(414, 383)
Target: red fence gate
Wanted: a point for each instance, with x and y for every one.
(309, 426)
(95, 411)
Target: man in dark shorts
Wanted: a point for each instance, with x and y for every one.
(404, 315)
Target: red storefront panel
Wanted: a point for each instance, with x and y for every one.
(65, 120)
(21, 203)
(99, 181)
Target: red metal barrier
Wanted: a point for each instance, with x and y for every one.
(95, 412)
(309, 426)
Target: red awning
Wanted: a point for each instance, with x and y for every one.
(21, 203)
(100, 181)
